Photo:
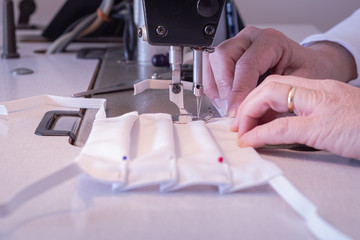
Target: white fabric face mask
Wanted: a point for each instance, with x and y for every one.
(133, 151)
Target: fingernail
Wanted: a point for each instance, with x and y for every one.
(242, 143)
(233, 128)
(224, 107)
(231, 112)
(218, 105)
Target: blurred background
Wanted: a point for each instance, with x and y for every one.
(323, 14)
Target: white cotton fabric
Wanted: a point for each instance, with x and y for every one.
(347, 34)
(107, 146)
(153, 151)
(172, 156)
(246, 166)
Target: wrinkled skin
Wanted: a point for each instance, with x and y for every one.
(327, 115)
(233, 70)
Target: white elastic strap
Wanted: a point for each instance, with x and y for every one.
(79, 103)
(62, 175)
(157, 84)
(39, 187)
(31, 102)
(306, 209)
(3, 110)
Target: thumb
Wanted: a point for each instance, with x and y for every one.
(285, 130)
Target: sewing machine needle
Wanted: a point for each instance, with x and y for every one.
(198, 106)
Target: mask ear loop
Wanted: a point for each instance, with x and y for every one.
(306, 209)
(37, 188)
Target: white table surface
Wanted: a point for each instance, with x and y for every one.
(81, 209)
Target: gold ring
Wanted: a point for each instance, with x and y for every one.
(290, 100)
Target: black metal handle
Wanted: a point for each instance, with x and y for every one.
(47, 122)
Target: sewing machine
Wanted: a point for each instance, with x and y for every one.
(180, 24)
(165, 27)
(84, 209)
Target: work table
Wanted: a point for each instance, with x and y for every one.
(80, 209)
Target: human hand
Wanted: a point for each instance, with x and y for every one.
(233, 70)
(327, 115)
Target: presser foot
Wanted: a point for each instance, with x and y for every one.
(203, 118)
(184, 117)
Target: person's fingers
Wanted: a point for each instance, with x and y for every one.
(326, 113)
(268, 49)
(222, 66)
(238, 63)
(286, 130)
(274, 96)
(293, 81)
(210, 88)
(258, 103)
(223, 62)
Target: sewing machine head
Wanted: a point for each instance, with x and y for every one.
(178, 24)
(189, 23)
